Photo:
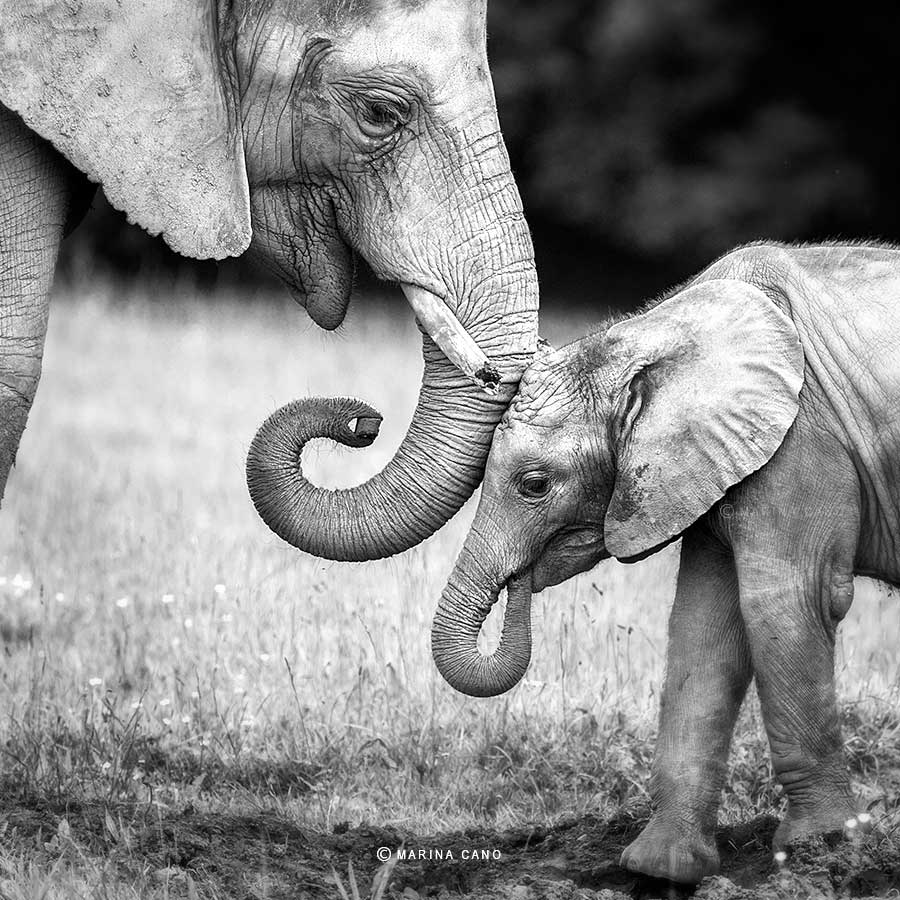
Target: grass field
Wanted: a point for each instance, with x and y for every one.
(174, 676)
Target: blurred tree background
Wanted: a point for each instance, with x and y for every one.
(648, 137)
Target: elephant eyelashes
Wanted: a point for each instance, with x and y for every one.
(534, 484)
(380, 117)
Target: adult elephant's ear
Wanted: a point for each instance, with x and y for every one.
(137, 96)
(708, 391)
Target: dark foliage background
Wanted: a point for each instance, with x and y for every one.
(650, 136)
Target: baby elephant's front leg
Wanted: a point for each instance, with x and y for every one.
(708, 670)
(791, 614)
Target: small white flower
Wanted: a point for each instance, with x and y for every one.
(189, 623)
(219, 589)
(186, 720)
(863, 819)
(264, 657)
(168, 598)
(60, 597)
(136, 704)
(122, 602)
(95, 682)
(780, 858)
(227, 617)
(195, 695)
(106, 766)
(165, 701)
(167, 722)
(240, 690)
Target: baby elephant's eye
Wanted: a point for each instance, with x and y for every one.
(534, 484)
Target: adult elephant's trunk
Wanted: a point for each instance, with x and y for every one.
(441, 460)
(463, 607)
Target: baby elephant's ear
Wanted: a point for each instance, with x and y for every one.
(710, 393)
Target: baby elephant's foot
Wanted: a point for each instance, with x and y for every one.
(830, 818)
(672, 851)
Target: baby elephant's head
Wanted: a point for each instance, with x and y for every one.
(612, 447)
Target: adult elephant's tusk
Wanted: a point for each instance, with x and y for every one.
(455, 342)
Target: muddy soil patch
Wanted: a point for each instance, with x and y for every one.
(262, 855)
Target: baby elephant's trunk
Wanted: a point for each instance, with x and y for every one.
(463, 607)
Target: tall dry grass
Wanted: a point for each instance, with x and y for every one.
(160, 643)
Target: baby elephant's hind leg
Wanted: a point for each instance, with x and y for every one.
(708, 670)
(791, 614)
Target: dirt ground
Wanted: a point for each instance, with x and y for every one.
(260, 856)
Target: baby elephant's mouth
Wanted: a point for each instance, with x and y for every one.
(569, 552)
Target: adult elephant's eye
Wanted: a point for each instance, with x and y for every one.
(379, 116)
(534, 484)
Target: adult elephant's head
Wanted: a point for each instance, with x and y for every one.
(307, 130)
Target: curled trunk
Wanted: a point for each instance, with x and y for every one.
(435, 470)
(462, 610)
(441, 460)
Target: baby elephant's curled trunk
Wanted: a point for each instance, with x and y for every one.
(462, 610)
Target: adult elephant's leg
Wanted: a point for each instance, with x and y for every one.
(707, 673)
(34, 196)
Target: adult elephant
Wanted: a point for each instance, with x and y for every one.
(303, 130)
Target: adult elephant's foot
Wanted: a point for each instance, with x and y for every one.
(826, 817)
(673, 851)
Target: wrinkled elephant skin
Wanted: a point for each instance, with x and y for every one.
(755, 413)
(304, 131)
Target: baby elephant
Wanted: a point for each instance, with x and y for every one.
(755, 413)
